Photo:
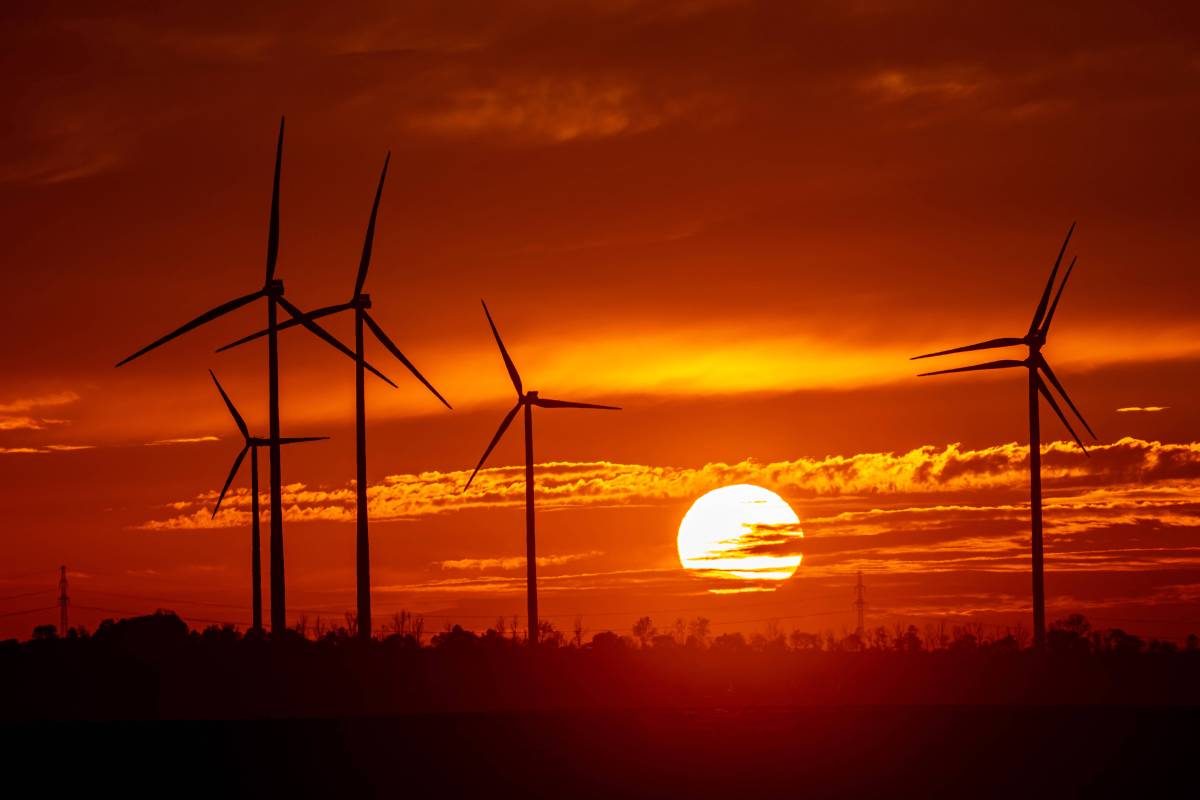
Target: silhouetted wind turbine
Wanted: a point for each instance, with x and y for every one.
(359, 303)
(252, 443)
(1034, 339)
(526, 400)
(272, 290)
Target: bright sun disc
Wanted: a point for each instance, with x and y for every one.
(724, 531)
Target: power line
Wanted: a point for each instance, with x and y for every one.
(34, 574)
(28, 611)
(26, 594)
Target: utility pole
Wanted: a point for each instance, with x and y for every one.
(63, 601)
(860, 604)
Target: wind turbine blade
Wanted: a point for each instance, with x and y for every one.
(299, 439)
(1003, 364)
(328, 337)
(237, 462)
(273, 228)
(1044, 366)
(546, 402)
(492, 445)
(390, 345)
(1041, 307)
(508, 362)
(1057, 297)
(237, 418)
(207, 316)
(1007, 341)
(1054, 404)
(291, 323)
(370, 239)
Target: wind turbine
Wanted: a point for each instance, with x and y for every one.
(525, 400)
(359, 303)
(1036, 364)
(272, 290)
(252, 443)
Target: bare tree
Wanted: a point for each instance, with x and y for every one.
(548, 634)
(1021, 635)
(577, 633)
(699, 629)
(302, 626)
(351, 623)
(644, 630)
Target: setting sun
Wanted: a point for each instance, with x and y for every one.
(740, 531)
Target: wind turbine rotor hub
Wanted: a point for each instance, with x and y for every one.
(361, 301)
(275, 287)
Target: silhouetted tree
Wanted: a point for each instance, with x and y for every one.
(644, 630)
(729, 643)
(664, 641)
(880, 640)
(607, 642)
(1069, 635)
(549, 635)
(805, 641)
(45, 632)
(454, 639)
(909, 640)
(699, 630)
(1118, 641)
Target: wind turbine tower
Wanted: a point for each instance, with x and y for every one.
(63, 600)
(860, 605)
(526, 401)
(1039, 374)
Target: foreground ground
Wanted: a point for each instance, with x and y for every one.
(916, 751)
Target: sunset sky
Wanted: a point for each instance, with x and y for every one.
(738, 221)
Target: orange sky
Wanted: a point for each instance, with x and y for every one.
(736, 221)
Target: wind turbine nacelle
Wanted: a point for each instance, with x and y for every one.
(275, 287)
(361, 301)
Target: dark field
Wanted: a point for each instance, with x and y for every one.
(965, 751)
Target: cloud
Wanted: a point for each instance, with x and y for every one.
(20, 424)
(184, 440)
(552, 110)
(13, 416)
(50, 448)
(1149, 409)
(946, 84)
(515, 562)
(859, 480)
